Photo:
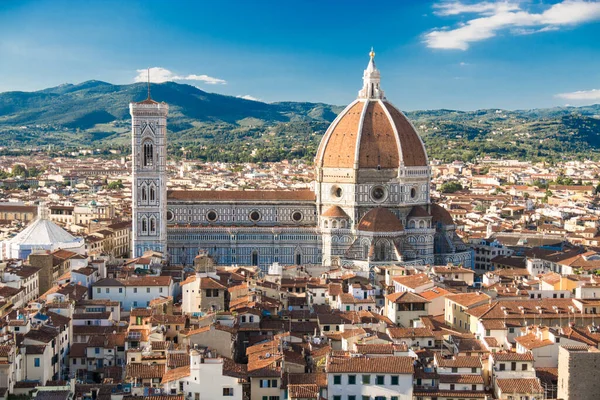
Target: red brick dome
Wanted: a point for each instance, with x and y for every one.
(380, 220)
(371, 132)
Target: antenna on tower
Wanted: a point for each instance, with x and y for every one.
(148, 83)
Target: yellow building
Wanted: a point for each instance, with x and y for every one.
(458, 304)
(17, 212)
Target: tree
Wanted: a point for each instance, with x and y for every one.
(116, 185)
(481, 207)
(451, 187)
(19, 170)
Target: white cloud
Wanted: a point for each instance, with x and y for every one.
(160, 75)
(463, 64)
(493, 18)
(248, 97)
(593, 94)
(456, 8)
(209, 80)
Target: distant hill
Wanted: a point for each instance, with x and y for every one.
(211, 126)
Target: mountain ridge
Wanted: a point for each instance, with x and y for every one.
(221, 127)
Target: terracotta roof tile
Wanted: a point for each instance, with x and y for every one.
(378, 146)
(338, 145)
(380, 219)
(520, 385)
(468, 299)
(176, 374)
(440, 214)
(406, 297)
(462, 378)
(412, 281)
(510, 356)
(401, 333)
(335, 212)
(413, 152)
(143, 371)
(458, 362)
(391, 365)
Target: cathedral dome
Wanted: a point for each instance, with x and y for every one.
(440, 214)
(335, 212)
(371, 133)
(41, 234)
(380, 219)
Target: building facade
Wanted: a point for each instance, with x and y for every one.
(370, 204)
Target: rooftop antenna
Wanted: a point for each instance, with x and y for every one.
(148, 83)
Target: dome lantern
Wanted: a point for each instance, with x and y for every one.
(371, 81)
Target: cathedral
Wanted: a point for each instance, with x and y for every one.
(370, 204)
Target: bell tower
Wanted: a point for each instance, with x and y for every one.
(149, 184)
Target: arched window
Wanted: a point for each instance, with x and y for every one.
(255, 257)
(422, 224)
(148, 154)
(334, 224)
(326, 224)
(382, 251)
(152, 226)
(144, 190)
(298, 259)
(152, 193)
(144, 225)
(411, 224)
(342, 224)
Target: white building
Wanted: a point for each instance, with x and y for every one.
(377, 377)
(204, 378)
(22, 276)
(41, 234)
(133, 292)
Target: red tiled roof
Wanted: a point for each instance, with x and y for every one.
(406, 297)
(380, 219)
(390, 365)
(520, 386)
(335, 212)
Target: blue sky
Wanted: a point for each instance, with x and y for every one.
(441, 54)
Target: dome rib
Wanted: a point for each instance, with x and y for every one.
(371, 134)
(340, 145)
(411, 145)
(378, 147)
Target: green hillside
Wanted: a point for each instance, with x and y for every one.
(211, 126)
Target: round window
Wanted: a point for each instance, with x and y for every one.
(413, 193)
(297, 216)
(254, 216)
(211, 216)
(336, 191)
(378, 193)
(170, 215)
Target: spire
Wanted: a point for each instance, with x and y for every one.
(149, 98)
(371, 81)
